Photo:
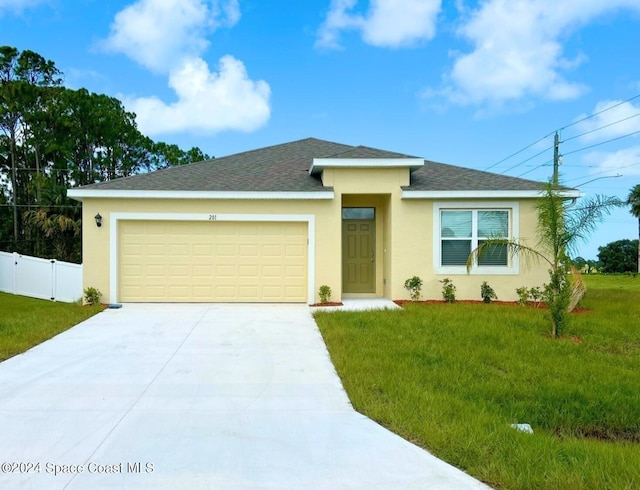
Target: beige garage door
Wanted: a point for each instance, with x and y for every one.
(207, 261)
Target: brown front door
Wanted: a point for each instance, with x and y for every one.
(358, 256)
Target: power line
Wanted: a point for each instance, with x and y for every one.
(519, 151)
(599, 112)
(601, 127)
(545, 164)
(610, 170)
(565, 127)
(576, 151)
(602, 143)
(528, 159)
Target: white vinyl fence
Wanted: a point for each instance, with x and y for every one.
(40, 278)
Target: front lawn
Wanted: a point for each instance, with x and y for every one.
(452, 378)
(25, 322)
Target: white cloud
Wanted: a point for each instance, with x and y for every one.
(614, 118)
(169, 36)
(207, 102)
(17, 6)
(625, 162)
(610, 120)
(518, 51)
(387, 23)
(159, 34)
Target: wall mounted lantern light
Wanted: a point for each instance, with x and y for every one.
(98, 220)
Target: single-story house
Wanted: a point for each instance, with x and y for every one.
(277, 223)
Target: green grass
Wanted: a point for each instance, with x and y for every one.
(26, 322)
(452, 378)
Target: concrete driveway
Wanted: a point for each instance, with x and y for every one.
(196, 396)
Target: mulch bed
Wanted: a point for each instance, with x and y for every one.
(401, 302)
(327, 304)
(542, 306)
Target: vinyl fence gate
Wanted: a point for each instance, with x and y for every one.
(40, 278)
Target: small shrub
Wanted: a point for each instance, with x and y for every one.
(414, 286)
(324, 293)
(448, 290)
(535, 294)
(487, 293)
(523, 295)
(92, 296)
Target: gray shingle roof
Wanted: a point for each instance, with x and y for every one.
(442, 177)
(285, 168)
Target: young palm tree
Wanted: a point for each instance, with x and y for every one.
(561, 226)
(634, 201)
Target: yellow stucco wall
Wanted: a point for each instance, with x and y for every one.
(404, 234)
(96, 240)
(413, 252)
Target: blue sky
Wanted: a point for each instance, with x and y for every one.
(462, 82)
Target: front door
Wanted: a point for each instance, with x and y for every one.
(358, 256)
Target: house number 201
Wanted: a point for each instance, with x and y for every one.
(213, 217)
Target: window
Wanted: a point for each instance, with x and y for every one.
(493, 224)
(456, 231)
(358, 213)
(463, 230)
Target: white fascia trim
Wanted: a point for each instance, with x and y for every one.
(513, 206)
(79, 194)
(319, 164)
(310, 219)
(573, 193)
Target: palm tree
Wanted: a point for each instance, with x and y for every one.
(561, 226)
(634, 201)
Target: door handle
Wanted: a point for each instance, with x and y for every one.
(372, 255)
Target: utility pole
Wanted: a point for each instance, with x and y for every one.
(556, 157)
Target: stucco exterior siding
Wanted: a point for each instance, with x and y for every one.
(97, 244)
(404, 237)
(409, 195)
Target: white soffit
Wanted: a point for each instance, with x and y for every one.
(477, 194)
(79, 194)
(319, 164)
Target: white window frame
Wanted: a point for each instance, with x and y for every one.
(513, 208)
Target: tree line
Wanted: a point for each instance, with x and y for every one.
(53, 138)
(615, 257)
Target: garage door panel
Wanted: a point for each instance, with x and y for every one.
(154, 291)
(222, 271)
(272, 251)
(225, 250)
(248, 250)
(132, 290)
(248, 292)
(295, 250)
(133, 248)
(212, 261)
(294, 291)
(249, 271)
(132, 270)
(177, 290)
(295, 271)
(178, 270)
(158, 228)
(202, 271)
(201, 249)
(153, 269)
(272, 271)
(271, 292)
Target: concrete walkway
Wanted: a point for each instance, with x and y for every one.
(196, 396)
(362, 304)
